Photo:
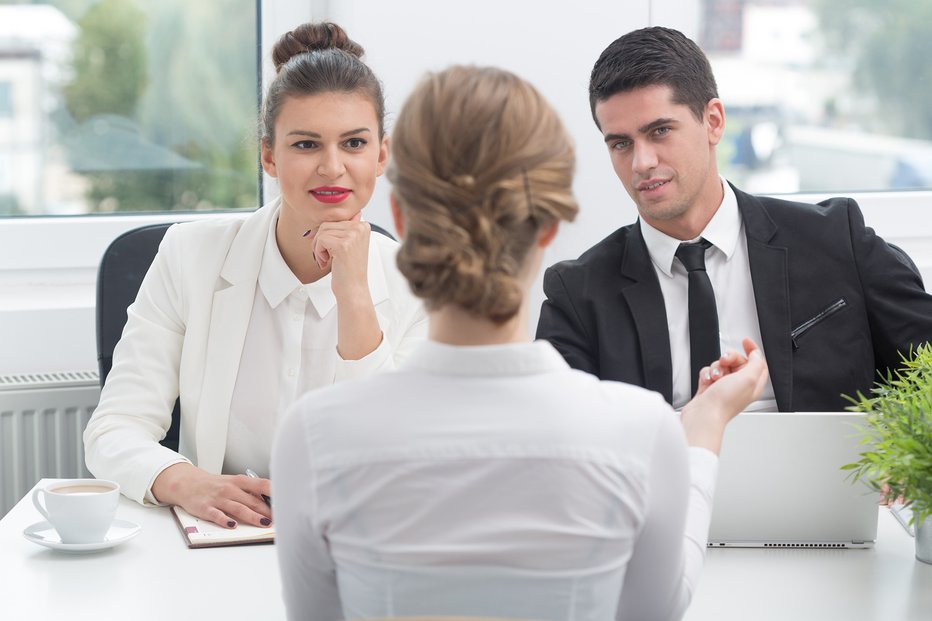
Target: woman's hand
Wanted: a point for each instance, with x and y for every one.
(343, 247)
(223, 499)
(726, 388)
(728, 363)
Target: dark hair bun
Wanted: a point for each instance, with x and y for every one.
(310, 37)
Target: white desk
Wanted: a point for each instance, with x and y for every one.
(884, 583)
(155, 576)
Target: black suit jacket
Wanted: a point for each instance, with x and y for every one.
(835, 303)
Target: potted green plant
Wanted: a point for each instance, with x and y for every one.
(898, 433)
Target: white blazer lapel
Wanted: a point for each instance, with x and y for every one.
(229, 319)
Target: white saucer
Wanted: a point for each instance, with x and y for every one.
(45, 535)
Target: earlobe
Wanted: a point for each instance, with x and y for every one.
(546, 234)
(268, 162)
(383, 157)
(715, 115)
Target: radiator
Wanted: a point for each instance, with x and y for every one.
(42, 418)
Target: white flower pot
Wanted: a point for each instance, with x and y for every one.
(924, 540)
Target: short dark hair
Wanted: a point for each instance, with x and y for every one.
(652, 56)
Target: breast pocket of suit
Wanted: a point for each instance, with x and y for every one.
(800, 331)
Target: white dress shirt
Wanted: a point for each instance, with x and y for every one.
(488, 481)
(290, 348)
(185, 338)
(729, 270)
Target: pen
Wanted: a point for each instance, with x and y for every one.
(253, 475)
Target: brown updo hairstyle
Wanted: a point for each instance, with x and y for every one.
(318, 58)
(480, 164)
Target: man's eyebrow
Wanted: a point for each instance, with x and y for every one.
(643, 129)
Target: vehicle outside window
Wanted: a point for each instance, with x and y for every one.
(823, 95)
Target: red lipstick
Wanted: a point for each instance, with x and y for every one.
(330, 194)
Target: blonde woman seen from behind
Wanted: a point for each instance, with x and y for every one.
(239, 317)
(484, 476)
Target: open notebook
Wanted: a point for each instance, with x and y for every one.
(780, 484)
(200, 533)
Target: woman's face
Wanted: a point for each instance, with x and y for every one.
(326, 157)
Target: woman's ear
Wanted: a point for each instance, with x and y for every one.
(268, 161)
(397, 216)
(546, 234)
(383, 156)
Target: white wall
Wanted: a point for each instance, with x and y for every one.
(48, 266)
(551, 44)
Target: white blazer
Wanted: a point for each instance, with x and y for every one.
(184, 337)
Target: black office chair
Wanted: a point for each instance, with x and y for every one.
(122, 268)
(124, 264)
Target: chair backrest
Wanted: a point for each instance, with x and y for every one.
(122, 268)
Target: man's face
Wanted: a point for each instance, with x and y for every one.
(664, 156)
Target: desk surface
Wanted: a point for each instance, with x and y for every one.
(155, 576)
(152, 576)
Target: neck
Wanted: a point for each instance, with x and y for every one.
(452, 325)
(691, 223)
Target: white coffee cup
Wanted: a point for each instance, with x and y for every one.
(80, 510)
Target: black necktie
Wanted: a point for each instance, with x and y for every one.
(703, 316)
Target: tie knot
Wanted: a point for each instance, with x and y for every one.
(692, 255)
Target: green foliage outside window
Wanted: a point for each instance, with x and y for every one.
(160, 112)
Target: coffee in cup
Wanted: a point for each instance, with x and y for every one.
(80, 510)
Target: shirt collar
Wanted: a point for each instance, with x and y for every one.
(486, 360)
(722, 231)
(277, 281)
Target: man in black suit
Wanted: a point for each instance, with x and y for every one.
(830, 302)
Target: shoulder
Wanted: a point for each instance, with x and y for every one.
(208, 234)
(779, 209)
(622, 405)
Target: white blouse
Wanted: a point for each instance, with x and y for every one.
(488, 481)
(291, 348)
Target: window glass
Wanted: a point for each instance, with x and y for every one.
(128, 105)
(823, 95)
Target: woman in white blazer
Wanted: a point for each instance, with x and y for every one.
(238, 317)
(494, 480)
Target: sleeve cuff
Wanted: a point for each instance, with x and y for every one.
(149, 498)
(379, 359)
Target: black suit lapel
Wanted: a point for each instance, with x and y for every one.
(772, 294)
(642, 293)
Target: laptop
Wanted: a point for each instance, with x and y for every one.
(780, 484)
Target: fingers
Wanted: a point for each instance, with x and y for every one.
(227, 500)
(340, 239)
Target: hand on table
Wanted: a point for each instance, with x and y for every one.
(223, 499)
